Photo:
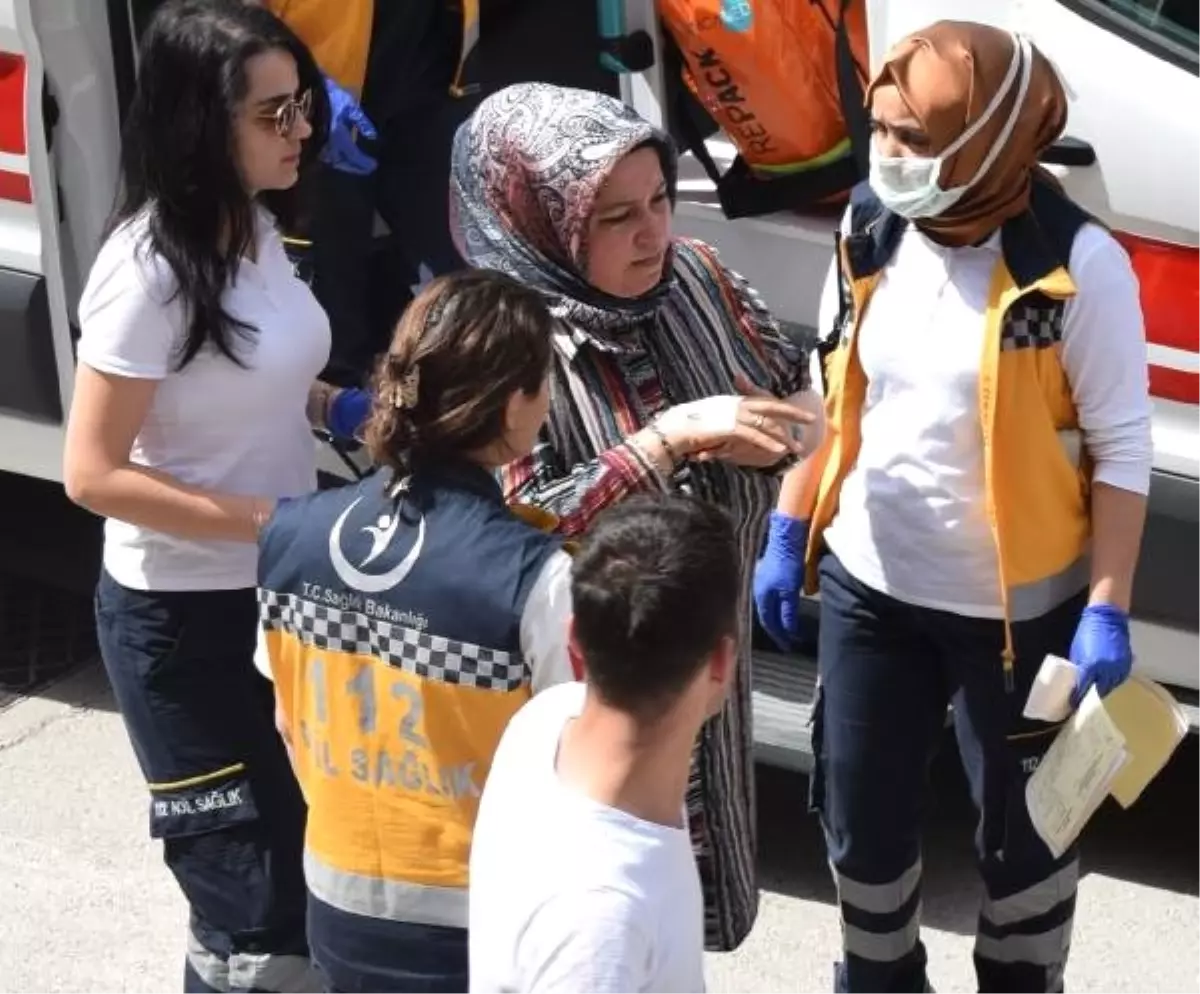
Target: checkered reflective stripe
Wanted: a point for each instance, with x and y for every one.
(430, 657)
(1032, 326)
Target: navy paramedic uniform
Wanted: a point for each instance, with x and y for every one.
(889, 668)
(397, 632)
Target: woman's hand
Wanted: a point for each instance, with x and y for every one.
(347, 121)
(754, 431)
(778, 579)
(107, 412)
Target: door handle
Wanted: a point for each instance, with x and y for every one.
(1069, 151)
(621, 52)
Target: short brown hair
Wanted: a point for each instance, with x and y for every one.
(466, 343)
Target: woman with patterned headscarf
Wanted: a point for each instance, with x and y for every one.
(981, 498)
(665, 370)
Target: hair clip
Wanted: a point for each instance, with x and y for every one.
(406, 392)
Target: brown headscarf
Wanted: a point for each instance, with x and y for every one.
(947, 74)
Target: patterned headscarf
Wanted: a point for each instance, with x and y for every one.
(524, 176)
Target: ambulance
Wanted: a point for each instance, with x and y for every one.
(1131, 156)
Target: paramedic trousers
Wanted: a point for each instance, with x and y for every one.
(887, 673)
(357, 954)
(223, 799)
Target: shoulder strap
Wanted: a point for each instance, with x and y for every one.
(851, 93)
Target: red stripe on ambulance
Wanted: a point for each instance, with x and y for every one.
(1169, 276)
(15, 184)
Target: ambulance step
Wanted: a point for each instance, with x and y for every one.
(784, 689)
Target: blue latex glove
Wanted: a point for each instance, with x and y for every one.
(1101, 650)
(346, 116)
(778, 579)
(348, 413)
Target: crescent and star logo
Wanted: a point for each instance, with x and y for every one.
(382, 534)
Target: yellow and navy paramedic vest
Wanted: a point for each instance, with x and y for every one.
(394, 642)
(338, 33)
(1037, 499)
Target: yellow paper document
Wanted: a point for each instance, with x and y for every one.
(1152, 724)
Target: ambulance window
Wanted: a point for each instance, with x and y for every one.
(1166, 28)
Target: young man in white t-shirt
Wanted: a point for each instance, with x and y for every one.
(582, 876)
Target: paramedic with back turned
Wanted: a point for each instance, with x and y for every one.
(981, 495)
(406, 619)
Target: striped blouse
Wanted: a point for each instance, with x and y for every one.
(605, 387)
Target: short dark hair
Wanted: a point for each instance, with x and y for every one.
(654, 590)
(474, 338)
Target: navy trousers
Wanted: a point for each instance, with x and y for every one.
(888, 671)
(358, 954)
(223, 798)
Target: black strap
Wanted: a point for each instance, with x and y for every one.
(850, 77)
(741, 192)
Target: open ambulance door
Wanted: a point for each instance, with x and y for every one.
(58, 161)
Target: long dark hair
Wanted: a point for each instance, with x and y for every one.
(462, 348)
(178, 153)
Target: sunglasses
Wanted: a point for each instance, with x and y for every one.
(283, 119)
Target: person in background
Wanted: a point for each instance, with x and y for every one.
(989, 427)
(406, 619)
(399, 76)
(582, 871)
(191, 415)
(571, 193)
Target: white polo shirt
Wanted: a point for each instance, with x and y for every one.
(213, 424)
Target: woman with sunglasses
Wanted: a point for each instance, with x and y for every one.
(194, 398)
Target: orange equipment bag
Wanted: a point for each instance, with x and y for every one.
(784, 80)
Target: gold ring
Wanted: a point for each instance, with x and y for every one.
(758, 420)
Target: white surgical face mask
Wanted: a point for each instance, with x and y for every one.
(908, 185)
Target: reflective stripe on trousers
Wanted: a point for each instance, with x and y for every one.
(252, 971)
(1008, 930)
(1032, 926)
(880, 922)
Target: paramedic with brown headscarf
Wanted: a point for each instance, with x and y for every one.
(978, 501)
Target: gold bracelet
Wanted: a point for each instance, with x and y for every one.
(642, 456)
(668, 448)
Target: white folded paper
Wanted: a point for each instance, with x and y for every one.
(1075, 775)
(1050, 696)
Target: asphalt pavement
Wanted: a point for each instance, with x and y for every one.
(86, 904)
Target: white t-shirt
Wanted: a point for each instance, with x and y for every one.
(912, 518)
(213, 424)
(570, 895)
